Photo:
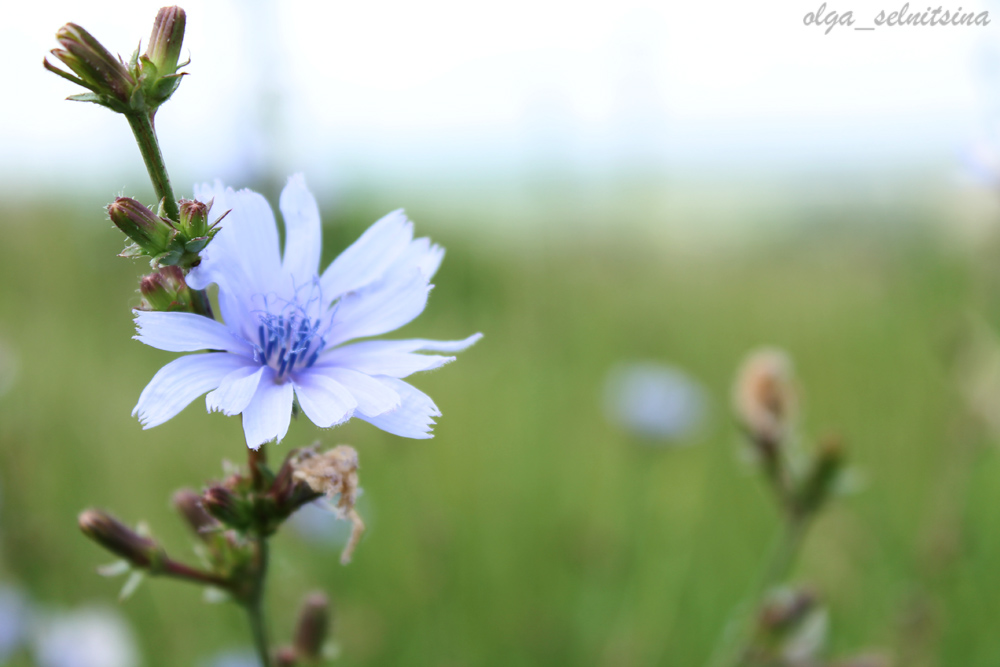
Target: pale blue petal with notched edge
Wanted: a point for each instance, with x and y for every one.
(372, 396)
(413, 418)
(395, 358)
(367, 259)
(181, 381)
(235, 391)
(324, 400)
(421, 255)
(186, 332)
(302, 231)
(379, 308)
(269, 413)
(244, 254)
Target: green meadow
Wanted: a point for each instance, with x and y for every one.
(530, 531)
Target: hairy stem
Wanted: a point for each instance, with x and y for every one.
(145, 135)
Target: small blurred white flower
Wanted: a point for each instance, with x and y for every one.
(653, 400)
(87, 637)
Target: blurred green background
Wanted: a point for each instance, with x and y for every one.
(530, 531)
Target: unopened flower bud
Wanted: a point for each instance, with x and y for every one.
(119, 539)
(285, 657)
(822, 476)
(194, 217)
(785, 609)
(188, 504)
(764, 396)
(312, 629)
(95, 68)
(164, 48)
(165, 290)
(227, 507)
(151, 233)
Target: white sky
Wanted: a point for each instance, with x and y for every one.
(381, 87)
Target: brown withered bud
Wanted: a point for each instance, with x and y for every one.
(119, 539)
(188, 504)
(334, 473)
(764, 396)
(312, 628)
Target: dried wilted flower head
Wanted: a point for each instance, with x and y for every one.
(334, 473)
(764, 395)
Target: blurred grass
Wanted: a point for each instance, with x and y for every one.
(529, 531)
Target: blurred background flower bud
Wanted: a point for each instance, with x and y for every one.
(119, 539)
(95, 68)
(188, 504)
(285, 657)
(227, 507)
(165, 290)
(313, 627)
(164, 48)
(764, 396)
(784, 609)
(819, 482)
(151, 233)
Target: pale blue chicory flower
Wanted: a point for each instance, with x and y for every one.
(287, 327)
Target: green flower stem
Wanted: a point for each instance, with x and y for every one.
(254, 603)
(184, 572)
(734, 648)
(145, 135)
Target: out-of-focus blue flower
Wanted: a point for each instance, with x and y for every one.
(15, 617)
(654, 401)
(87, 637)
(286, 326)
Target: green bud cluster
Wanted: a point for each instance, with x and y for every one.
(139, 86)
(165, 242)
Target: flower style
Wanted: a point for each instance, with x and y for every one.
(287, 327)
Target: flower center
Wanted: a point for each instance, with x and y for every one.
(289, 335)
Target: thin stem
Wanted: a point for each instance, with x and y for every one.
(187, 573)
(734, 648)
(257, 461)
(145, 136)
(255, 606)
